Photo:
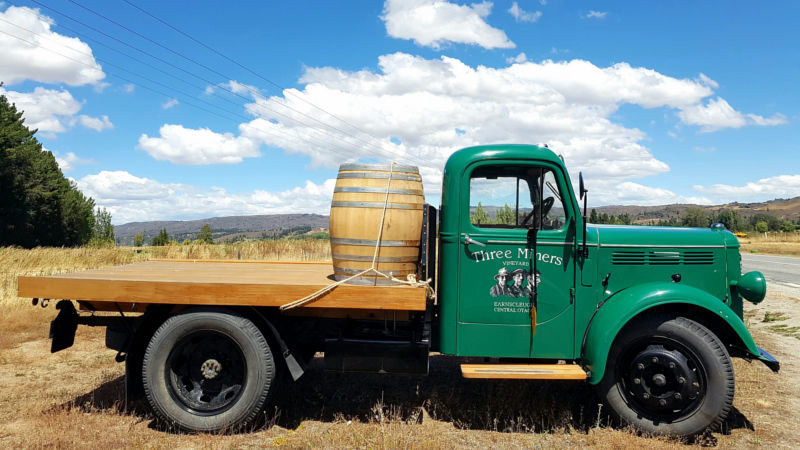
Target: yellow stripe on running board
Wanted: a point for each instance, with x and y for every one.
(524, 371)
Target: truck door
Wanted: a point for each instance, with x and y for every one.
(496, 267)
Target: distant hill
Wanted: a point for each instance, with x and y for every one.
(225, 228)
(256, 227)
(788, 209)
(784, 209)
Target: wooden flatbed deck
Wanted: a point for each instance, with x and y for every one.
(245, 283)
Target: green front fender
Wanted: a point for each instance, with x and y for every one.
(626, 304)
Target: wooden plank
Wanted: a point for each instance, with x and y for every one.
(218, 283)
(524, 371)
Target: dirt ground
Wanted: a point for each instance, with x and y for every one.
(75, 399)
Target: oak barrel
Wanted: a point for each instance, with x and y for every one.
(356, 209)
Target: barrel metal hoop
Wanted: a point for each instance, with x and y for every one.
(395, 176)
(377, 205)
(367, 258)
(378, 190)
(371, 242)
(386, 167)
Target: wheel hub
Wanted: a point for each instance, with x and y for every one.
(663, 380)
(207, 372)
(210, 369)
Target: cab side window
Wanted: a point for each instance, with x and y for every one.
(507, 197)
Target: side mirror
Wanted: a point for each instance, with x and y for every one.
(581, 190)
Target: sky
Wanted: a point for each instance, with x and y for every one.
(192, 109)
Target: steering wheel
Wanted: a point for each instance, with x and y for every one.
(546, 205)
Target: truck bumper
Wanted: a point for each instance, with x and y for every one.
(769, 360)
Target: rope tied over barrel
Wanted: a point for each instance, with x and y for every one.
(411, 279)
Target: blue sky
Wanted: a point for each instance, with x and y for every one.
(656, 102)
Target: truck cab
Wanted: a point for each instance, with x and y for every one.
(487, 259)
(651, 314)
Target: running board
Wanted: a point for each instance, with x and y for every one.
(524, 371)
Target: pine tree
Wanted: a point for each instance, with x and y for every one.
(205, 235)
(162, 238)
(695, 216)
(506, 216)
(38, 205)
(480, 216)
(731, 219)
(103, 233)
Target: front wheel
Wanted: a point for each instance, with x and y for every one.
(208, 370)
(668, 375)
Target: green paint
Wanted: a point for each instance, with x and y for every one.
(477, 319)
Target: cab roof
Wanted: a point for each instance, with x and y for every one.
(467, 156)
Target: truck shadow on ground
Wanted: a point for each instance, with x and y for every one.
(492, 405)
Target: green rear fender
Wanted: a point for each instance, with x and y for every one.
(626, 304)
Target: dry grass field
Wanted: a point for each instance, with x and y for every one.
(774, 243)
(75, 398)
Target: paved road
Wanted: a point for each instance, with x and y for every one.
(780, 269)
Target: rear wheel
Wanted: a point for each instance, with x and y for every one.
(668, 375)
(208, 370)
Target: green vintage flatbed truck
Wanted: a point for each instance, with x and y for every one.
(524, 288)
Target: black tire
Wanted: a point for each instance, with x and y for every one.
(669, 376)
(208, 370)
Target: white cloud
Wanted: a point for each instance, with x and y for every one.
(35, 55)
(48, 110)
(202, 146)
(131, 198)
(423, 102)
(101, 86)
(718, 114)
(596, 15)
(421, 110)
(629, 193)
(129, 88)
(94, 123)
(169, 103)
(521, 58)
(68, 162)
(777, 119)
(120, 186)
(521, 15)
(432, 23)
(51, 111)
(241, 88)
(785, 186)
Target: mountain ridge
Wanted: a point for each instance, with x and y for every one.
(275, 225)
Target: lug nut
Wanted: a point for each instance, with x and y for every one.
(640, 366)
(672, 365)
(681, 380)
(662, 402)
(646, 396)
(637, 381)
(677, 396)
(695, 384)
(654, 360)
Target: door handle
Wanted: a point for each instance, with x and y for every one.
(468, 240)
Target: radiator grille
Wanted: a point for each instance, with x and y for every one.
(662, 257)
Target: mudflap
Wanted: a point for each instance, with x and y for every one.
(63, 327)
(768, 360)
